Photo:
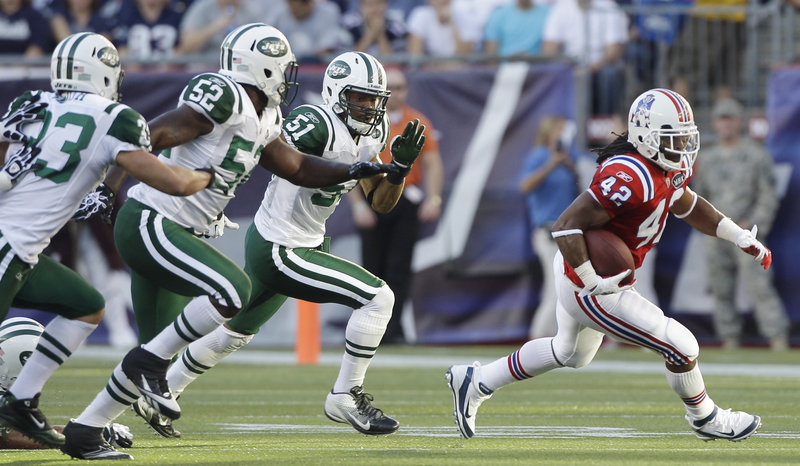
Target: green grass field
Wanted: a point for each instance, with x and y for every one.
(619, 412)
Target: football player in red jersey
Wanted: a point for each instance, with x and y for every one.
(642, 177)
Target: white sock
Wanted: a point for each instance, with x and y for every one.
(111, 402)
(61, 337)
(533, 358)
(198, 318)
(692, 390)
(364, 331)
(203, 354)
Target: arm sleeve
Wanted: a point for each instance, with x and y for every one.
(212, 96)
(307, 130)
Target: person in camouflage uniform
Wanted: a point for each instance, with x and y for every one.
(736, 176)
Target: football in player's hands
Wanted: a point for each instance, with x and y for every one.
(609, 254)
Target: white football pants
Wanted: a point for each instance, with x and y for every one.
(626, 316)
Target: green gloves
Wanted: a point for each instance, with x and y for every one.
(405, 149)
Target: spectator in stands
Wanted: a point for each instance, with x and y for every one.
(387, 240)
(717, 63)
(433, 31)
(312, 27)
(549, 185)
(516, 29)
(23, 30)
(375, 29)
(206, 23)
(736, 175)
(147, 30)
(472, 16)
(654, 30)
(599, 54)
(71, 16)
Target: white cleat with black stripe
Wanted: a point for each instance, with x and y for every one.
(725, 424)
(468, 394)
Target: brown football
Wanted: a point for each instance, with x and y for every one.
(609, 254)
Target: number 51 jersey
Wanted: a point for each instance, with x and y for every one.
(233, 149)
(79, 138)
(294, 216)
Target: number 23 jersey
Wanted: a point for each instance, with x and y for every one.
(294, 216)
(233, 148)
(637, 195)
(79, 138)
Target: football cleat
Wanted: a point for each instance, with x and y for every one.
(725, 424)
(468, 394)
(24, 416)
(161, 424)
(354, 408)
(149, 373)
(87, 443)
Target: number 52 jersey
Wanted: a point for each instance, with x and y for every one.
(294, 216)
(79, 138)
(233, 149)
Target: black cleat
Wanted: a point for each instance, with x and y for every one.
(149, 373)
(87, 443)
(25, 417)
(161, 424)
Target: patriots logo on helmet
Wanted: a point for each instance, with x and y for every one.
(272, 47)
(641, 116)
(339, 69)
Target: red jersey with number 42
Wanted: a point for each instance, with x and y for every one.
(637, 194)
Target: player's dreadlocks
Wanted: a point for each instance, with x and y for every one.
(615, 147)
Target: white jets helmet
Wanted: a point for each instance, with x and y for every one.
(661, 126)
(356, 72)
(260, 55)
(86, 62)
(18, 338)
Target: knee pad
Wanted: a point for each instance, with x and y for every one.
(580, 352)
(227, 341)
(682, 340)
(374, 316)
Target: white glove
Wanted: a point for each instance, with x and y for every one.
(594, 285)
(746, 240)
(217, 227)
(118, 435)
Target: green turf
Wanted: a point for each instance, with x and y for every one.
(246, 414)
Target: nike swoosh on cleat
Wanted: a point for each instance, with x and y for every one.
(352, 419)
(38, 423)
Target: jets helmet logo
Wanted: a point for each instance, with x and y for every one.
(641, 116)
(23, 357)
(339, 69)
(272, 47)
(109, 56)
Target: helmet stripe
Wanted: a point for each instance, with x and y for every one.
(229, 46)
(71, 56)
(369, 66)
(59, 54)
(25, 331)
(678, 102)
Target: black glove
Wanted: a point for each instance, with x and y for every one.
(405, 149)
(101, 201)
(29, 111)
(368, 169)
(17, 164)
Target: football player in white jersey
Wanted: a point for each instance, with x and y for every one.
(81, 132)
(285, 249)
(182, 287)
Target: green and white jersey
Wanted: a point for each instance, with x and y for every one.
(232, 148)
(80, 137)
(294, 216)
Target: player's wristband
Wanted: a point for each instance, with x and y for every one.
(587, 274)
(727, 229)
